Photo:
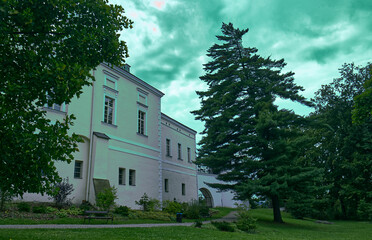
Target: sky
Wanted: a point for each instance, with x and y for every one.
(170, 39)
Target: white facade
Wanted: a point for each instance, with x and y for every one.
(125, 141)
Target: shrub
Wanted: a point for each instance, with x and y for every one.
(39, 209)
(148, 204)
(122, 210)
(172, 207)
(61, 214)
(86, 206)
(24, 207)
(198, 223)
(194, 209)
(223, 226)
(106, 199)
(61, 191)
(51, 209)
(163, 216)
(245, 222)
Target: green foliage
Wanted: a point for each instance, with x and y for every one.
(172, 207)
(39, 209)
(250, 143)
(122, 210)
(5, 196)
(246, 222)
(194, 209)
(61, 191)
(148, 204)
(343, 149)
(223, 226)
(24, 207)
(85, 206)
(162, 216)
(51, 210)
(365, 211)
(362, 111)
(106, 199)
(198, 223)
(48, 49)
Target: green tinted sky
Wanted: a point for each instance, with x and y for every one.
(168, 43)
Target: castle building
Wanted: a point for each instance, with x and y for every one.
(128, 142)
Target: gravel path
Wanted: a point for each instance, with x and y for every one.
(228, 218)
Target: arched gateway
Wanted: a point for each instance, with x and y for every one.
(207, 196)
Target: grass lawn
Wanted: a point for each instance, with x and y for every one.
(292, 229)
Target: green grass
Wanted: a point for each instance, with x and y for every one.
(267, 229)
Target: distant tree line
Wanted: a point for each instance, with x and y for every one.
(316, 166)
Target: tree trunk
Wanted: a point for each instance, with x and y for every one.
(276, 209)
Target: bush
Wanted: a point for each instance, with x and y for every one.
(148, 204)
(86, 206)
(172, 207)
(106, 199)
(194, 209)
(223, 226)
(24, 207)
(122, 210)
(162, 216)
(245, 222)
(61, 191)
(39, 209)
(198, 223)
(51, 209)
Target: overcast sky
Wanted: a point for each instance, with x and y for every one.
(168, 43)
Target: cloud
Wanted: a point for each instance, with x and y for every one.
(170, 38)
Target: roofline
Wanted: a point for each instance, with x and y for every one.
(166, 117)
(133, 79)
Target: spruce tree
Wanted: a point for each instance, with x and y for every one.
(250, 143)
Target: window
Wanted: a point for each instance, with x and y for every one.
(55, 106)
(179, 151)
(141, 122)
(188, 155)
(109, 110)
(166, 187)
(121, 176)
(183, 189)
(167, 147)
(78, 169)
(132, 177)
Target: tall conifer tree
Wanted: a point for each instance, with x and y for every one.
(248, 141)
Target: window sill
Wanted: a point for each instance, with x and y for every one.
(180, 159)
(54, 110)
(132, 185)
(109, 124)
(78, 178)
(142, 135)
(169, 156)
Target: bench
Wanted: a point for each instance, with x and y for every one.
(97, 215)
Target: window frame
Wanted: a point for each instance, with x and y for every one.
(168, 147)
(114, 109)
(141, 122)
(166, 185)
(179, 151)
(80, 169)
(189, 155)
(122, 176)
(132, 177)
(183, 190)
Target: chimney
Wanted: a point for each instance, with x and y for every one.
(126, 67)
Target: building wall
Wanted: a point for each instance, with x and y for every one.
(178, 169)
(110, 147)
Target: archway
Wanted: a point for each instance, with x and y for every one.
(207, 196)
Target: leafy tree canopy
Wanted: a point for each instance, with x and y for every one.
(248, 141)
(48, 48)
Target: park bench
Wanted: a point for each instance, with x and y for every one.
(97, 215)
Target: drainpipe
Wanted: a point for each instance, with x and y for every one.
(89, 169)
